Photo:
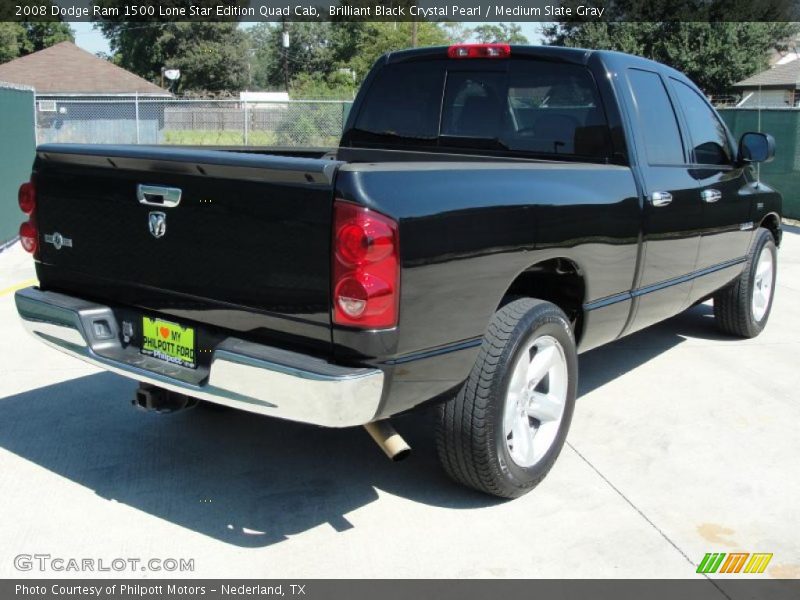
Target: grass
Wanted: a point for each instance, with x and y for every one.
(219, 138)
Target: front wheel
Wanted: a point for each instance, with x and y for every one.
(742, 308)
(504, 430)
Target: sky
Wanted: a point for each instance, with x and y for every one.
(88, 38)
(93, 40)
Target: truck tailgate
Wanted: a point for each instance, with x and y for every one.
(247, 244)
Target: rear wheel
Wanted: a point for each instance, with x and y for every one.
(504, 430)
(743, 307)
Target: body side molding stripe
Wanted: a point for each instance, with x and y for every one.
(462, 345)
(594, 304)
(608, 300)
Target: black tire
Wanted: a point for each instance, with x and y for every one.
(470, 440)
(733, 304)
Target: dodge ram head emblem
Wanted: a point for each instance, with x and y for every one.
(158, 224)
(58, 240)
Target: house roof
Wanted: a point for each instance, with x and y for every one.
(66, 69)
(781, 76)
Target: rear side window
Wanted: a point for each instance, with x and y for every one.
(657, 121)
(520, 107)
(709, 136)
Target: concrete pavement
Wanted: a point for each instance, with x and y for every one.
(684, 442)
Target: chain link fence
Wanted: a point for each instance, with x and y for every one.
(725, 100)
(191, 122)
(758, 99)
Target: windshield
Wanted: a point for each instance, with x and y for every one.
(521, 107)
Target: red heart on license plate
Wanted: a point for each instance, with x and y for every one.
(164, 332)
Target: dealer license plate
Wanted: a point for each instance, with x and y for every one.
(169, 342)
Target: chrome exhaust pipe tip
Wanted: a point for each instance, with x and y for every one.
(391, 442)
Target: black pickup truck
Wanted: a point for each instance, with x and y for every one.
(490, 212)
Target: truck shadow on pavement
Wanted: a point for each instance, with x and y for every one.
(247, 480)
(604, 364)
(243, 479)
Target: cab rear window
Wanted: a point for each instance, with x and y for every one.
(526, 107)
(404, 101)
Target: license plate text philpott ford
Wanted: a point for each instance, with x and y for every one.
(168, 341)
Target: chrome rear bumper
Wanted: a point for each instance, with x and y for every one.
(243, 375)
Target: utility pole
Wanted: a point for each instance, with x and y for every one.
(285, 44)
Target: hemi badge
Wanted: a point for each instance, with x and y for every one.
(57, 240)
(746, 226)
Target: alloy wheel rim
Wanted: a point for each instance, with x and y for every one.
(535, 400)
(762, 284)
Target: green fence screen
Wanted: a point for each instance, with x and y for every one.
(17, 148)
(783, 173)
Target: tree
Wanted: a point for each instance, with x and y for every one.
(11, 39)
(310, 51)
(330, 59)
(714, 55)
(211, 56)
(372, 39)
(508, 33)
(19, 39)
(41, 35)
(456, 32)
(338, 85)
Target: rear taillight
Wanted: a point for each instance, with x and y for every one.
(366, 267)
(28, 232)
(27, 197)
(29, 236)
(479, 51)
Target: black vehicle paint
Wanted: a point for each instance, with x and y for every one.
(248, 249)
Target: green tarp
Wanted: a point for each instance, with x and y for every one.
(17, 147)
(783, 173)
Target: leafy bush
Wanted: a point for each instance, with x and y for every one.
(314, 125)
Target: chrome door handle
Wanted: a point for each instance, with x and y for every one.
(158, 195)
(660, 198)
(710, 195)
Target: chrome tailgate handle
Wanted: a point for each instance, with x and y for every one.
(710, 195)
(158, 195)
(660, 198)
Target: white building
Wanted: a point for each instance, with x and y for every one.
(776, 87)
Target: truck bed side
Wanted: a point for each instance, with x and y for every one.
(468, 232)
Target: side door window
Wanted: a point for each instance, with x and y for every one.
(710, 143)
(657, 121)
(726, 211)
